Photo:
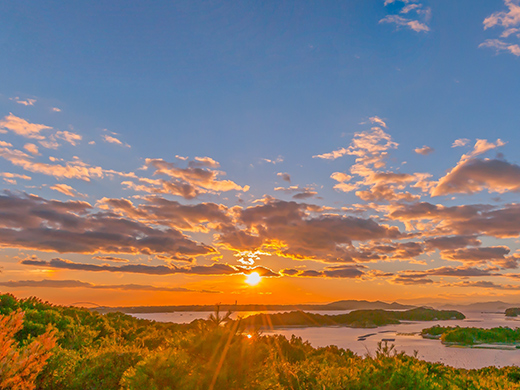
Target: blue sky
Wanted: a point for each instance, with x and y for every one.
(260, 88)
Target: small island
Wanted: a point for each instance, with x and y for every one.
(491, 338)
(513, 312)
(354, 319)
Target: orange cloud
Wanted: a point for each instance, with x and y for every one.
(67, 190)
(22, 127)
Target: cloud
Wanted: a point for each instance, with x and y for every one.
(46, 283)
(32, 148)
(189, 182)
(203, 162)
(371, 150)
(297, 192)
(370, 147)
(484, 284)
(111, 258)
(159, 211)
(56, 109)
(214, 269)
(425, 150)
(460, 142)
(377, 120)
(13, 176)
(466, 220)
(31, 222)
(75, 169)
(284, 176)
(67, 190)
(505, 19)
(451, 242)
(476, 255)
(113, 140)
(21, 127)
(278, 160)
(292, 230)
(26, 102)
(71, 138)
(340, 272)
(508, 21)
(500, 45)
(419, 15)
(408, 280)
(476, 175)
(399, 21)
(473, 175)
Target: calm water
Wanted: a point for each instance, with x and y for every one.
(405, 335)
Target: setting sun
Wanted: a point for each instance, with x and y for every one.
(253, 278)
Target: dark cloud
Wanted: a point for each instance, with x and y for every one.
(451, 242)
(160, 211)
(112, 258)
(467, 220)
(296, 230)
(343, 272)
(31, 222)
(458, 272)
(476, 254)
(213, 269)
(409, 280)
(284, 176)
(484, 284)
(46, 283)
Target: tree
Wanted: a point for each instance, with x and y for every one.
(20, 364)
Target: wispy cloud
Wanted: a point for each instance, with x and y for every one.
(26, 102)
(113, 140)
(67, 190)
(213, 269)
(425, 150)
(509, 22)
(197, 178)
(46, 283)
(21, 127)
(70, 137)
(417, 15)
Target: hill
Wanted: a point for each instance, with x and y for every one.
(339, 305)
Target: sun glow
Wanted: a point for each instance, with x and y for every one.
(253, 278)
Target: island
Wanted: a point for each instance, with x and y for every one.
(354, 319)
(513, 312)
(494, 337)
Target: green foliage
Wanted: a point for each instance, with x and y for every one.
(356, 318)
(117, 351)
(472, 336)
(513, 312)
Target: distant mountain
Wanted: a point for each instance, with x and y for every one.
(339, 305)
(358, 305)
(494, 306)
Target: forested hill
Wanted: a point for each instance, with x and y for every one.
(338, 305)
(357, 318)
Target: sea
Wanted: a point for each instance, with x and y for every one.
(405, 337)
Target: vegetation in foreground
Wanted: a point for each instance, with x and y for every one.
(74, 348)
(473, 336)
(355, 319)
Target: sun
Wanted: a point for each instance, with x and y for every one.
(253, 278)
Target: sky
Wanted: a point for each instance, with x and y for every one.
(161, 153)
